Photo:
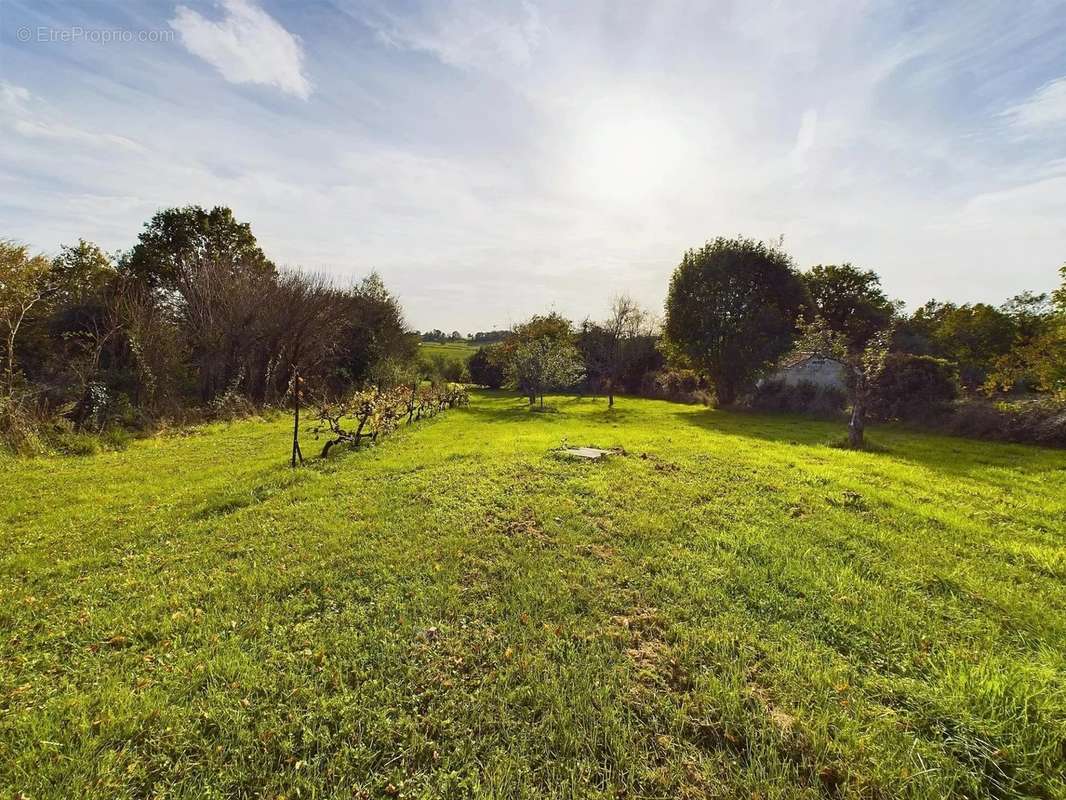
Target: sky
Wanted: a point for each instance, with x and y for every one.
(492, 160)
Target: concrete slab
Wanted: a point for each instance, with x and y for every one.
(591, 453)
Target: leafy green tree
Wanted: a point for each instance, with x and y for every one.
(80, 272)
(1030, 312)
(539, 354)
(731, 310)
(850, 300)
(542, 364)
(177, 241)
(375, 335)
(486, 368)
(24, 282)
(910, 385)
(972, 336)
(1042, 358)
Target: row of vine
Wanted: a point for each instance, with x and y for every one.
(374, 413)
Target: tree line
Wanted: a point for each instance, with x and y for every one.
(736, 307)
(193, 316)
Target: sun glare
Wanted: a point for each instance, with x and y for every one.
(627, 156)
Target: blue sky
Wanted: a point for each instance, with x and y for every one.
(493, 160)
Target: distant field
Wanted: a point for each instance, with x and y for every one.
(730, 609)
(456, 351)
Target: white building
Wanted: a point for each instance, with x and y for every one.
(821, 372)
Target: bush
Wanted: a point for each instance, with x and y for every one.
(230, 406)
(911, 386)
(20, 426)
(1033, 422)
(75, 443)
(683, 385)
(486, 368)
(798, 398)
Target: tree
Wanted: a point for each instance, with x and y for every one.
(545, 363)
(850, 300)
(1041, 358)
(972, 336)
(552, 328)
(310, 314)
(80, 273)
(863, 367)
(731, 310)
(23, 284)
(609, 347)
(486, 368)
(911, 384)
(176, 240)
(375, 335)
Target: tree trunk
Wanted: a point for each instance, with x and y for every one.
(610, 399)
(857, 425)
(296, 418)
(725, 394)
(9, 368)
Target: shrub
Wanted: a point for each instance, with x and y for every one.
(486, 368)
(910, 386)
(803, 397)
(684, 385)
(20, 426)
(230, 406)
(1032, 422)
(75, 443)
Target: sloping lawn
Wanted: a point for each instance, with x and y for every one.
(458, 352)
(730, 609)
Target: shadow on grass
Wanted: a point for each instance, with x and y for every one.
(946, 454)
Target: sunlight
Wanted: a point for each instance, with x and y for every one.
(627, 154)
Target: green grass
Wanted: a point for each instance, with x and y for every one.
(453, 351)
(730, 609)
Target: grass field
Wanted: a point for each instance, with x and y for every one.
(453, 351)
(730, 609)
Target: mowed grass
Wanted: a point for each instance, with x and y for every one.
(730, 609)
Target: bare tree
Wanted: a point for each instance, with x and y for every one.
(309, 315)
(608, 345)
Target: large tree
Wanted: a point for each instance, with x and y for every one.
(731, 310)
(177, 241)
(375, 338)
(849, 300)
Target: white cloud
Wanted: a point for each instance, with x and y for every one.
(465, 33)
(34, 121)
(246, 46)
(1044, 109)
